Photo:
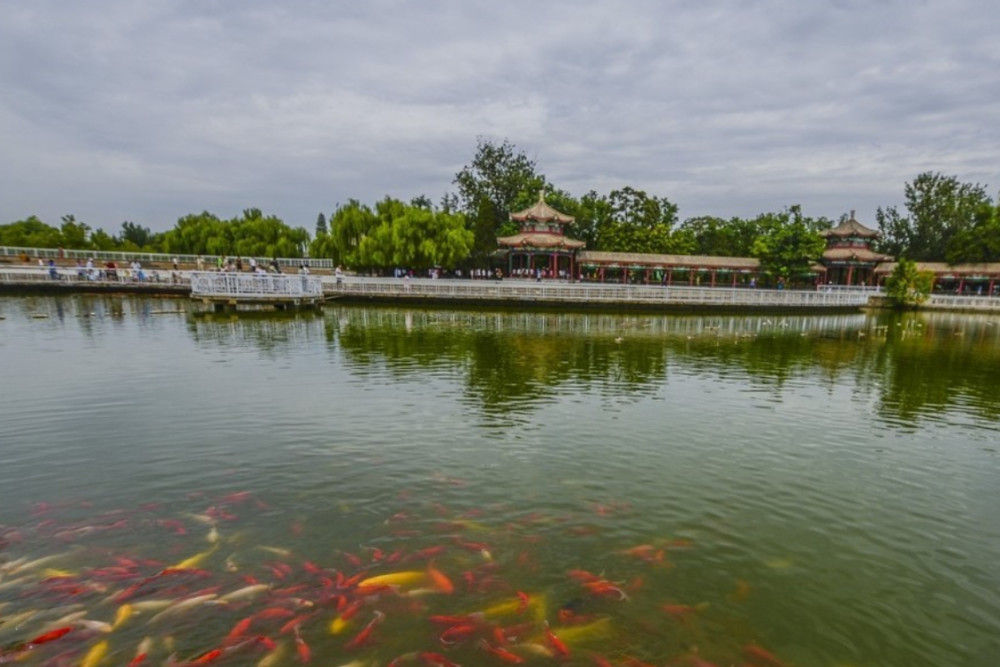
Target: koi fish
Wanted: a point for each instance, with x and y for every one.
(95, 655)
(436, 660)
(502, 653)
(122, 615)
(50, 636)
(438, 578)
(556, 643)
(362, 637)
(754, 652)
(194, 561)
(305, 655)
(400, 579)
(243, 593)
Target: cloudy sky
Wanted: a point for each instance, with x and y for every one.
(148, 110)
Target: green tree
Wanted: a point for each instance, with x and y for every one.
(637, 223)
(906, 287)
(708, 235)
(74, 234)
(789, 243)
(321, 228)
(940, 207)
(138, 235)
(30, 233)
(414, 237)
(488, 188)
(980, 242)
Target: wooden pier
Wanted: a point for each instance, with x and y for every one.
(232, 290)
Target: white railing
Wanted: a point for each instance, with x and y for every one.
(215, 284)
(118, 256)
(955, 302)
(96, 275)
(516, 290)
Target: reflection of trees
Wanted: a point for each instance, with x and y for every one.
(918, 365)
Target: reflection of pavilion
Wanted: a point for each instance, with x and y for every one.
(848, 258)
(542, 243)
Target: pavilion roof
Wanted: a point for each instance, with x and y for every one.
(541, 212)
(652, 260)
(540, 240)
(854, 255)
(851, 227)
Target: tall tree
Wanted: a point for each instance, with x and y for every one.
(137, 235)
(979, 242)
(940, 207)
(489, 186)
(321, 229)
(74, 234)
(637, 223)
(789, 243)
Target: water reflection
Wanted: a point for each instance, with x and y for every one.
(917, 365)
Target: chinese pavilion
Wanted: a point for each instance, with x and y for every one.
(542, 243)
(848, 258)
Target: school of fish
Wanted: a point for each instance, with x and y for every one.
(438, 588)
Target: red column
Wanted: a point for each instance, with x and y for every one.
(601, 271)
(850, 274)
(670, 277)
(734, 279)
(961, 284)
(713, 278)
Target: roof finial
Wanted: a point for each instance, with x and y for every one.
(852, 214)
(541, 195)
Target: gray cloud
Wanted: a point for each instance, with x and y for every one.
(149, 111)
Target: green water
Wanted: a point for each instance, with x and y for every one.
(825, 488)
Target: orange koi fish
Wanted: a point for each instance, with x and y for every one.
(754, 652)
(305, 655)
(556, 643)
(362, 637)
(438, 578)
(502, 653)
(436, 660)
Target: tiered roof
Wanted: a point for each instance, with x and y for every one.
(541, 212)
(541, 239)
(850, 228)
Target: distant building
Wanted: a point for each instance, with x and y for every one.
(848, 258)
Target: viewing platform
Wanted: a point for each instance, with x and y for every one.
(222, 289)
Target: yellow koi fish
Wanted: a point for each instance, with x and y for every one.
(122, 615)
(402, 579)
(196, 560)
(95, 655)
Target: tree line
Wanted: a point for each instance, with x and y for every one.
(944, 220)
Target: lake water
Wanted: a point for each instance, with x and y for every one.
(630, 489)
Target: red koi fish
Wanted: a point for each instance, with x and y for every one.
(305, 655)
(206, 658)
(556, 643)
(362, 637)
(239, 629)
(502, 653)
(457, 633)
(525, 601)
(436, 660)
(49, 636)
(754, 652)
